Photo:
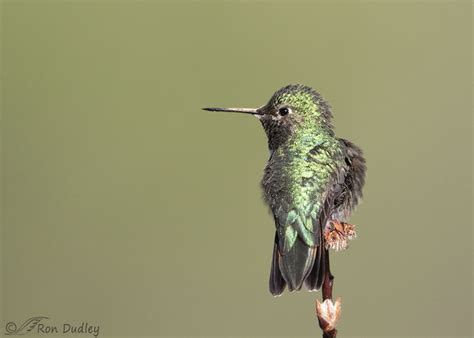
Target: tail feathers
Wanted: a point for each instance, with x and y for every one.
(296, 264)
(302, 265)
(277, 283)
(314, 281)
(311, 282)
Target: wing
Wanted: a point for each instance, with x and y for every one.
(348, 193)
(341, 198)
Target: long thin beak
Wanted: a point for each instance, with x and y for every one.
(253, 111)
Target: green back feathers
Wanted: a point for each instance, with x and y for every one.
(306, 177)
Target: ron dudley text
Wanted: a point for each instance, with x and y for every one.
(67, 328)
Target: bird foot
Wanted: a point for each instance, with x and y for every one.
(328, 314)
(336, 236)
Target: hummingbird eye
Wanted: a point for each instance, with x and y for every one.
(284, 111)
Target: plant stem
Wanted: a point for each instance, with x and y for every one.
(327, 293)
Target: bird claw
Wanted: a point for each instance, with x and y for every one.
(337, 235)
(328, 313)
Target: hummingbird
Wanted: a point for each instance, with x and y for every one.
(311, 183)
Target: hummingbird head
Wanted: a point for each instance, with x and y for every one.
(292, 110)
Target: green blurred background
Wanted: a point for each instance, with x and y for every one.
(125, 205)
